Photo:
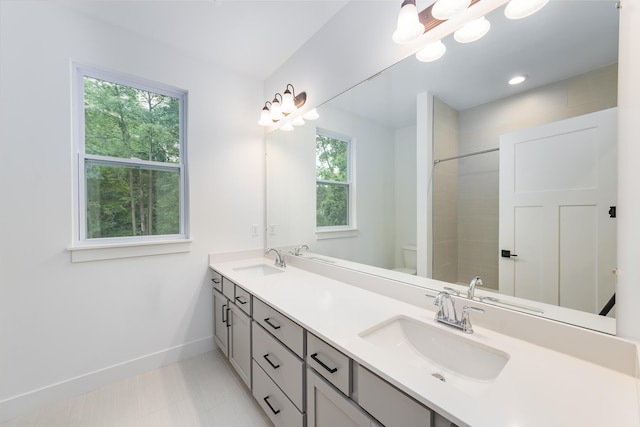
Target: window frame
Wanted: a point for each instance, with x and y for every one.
(80, 240)
(337, 231)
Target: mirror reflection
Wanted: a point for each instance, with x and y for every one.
(568, 52)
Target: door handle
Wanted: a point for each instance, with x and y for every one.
(506, 253)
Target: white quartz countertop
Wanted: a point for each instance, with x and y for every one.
(537, 387)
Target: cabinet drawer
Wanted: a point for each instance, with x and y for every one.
(273, 402)
(389, 405)
(228, 288)
(243, 300)
(217, 281)
(280, 326)
(283, 366)
(329, 362)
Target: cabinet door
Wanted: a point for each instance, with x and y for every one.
(240, 342)
(220, 329)
(327, 407)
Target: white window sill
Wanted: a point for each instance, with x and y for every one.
(336, 233)
(128, 250)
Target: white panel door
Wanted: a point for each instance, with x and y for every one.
(557, 183)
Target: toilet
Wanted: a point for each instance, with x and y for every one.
(410, 259)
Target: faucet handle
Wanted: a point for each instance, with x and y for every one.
(465, 322)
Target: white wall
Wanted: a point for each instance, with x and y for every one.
(65, 327)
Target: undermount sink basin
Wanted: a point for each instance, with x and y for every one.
(414, 342)
(259, 270)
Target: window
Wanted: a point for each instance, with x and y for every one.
(131, 162)
(334, 186)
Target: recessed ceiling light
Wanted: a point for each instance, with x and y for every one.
(517, 80)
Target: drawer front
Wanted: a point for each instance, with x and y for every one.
(217, 281)
(329, 362)
(273, 402)
(283, 366)
(243, 300)
(389, 405)
(228, 288)
(280, 326)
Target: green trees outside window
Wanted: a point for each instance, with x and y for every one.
(332, 181)
(133, 171)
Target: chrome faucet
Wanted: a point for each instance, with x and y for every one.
(476, 281)
(280, 262)
(298, 251)
(447, 312)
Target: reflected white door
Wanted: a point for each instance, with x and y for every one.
(557, 184)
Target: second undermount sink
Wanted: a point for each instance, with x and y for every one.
(257, 270)
(414, 342)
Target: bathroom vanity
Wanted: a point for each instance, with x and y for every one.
(322, 345)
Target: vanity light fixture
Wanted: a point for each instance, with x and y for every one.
(517, 9)
(517, 80)
(282, 106)
(472, 31)
(431, 52)
(446, 9)
(409, 28)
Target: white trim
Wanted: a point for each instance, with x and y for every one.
(123, 249)
(57, 392)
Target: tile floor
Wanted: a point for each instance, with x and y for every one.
(201, 391)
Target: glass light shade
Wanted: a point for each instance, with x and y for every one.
(472, 31)
(409, 27)
(288, 104)
(265, 118)
(431, 52)
(517, 9)
(298, 121)
(276, 111)
(445, 9)
(287, 128)
(311, 115)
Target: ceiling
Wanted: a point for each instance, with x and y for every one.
(253, 37)
(564, 39)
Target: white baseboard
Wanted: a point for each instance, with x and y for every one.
(32, 400)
